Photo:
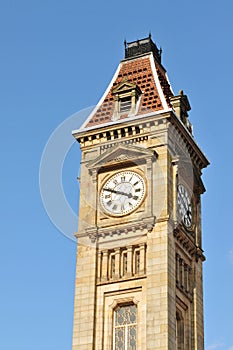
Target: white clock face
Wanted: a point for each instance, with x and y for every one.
(184, 206)
(122, 193)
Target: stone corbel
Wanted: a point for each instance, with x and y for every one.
(200, 255)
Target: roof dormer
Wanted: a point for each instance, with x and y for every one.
(126, 96)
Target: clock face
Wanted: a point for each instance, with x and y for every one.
(184, 205)
(122, 193)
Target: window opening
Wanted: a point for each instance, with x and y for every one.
(125, 104)
(125, 327)
(124, 263)
(179, 331)
(137, 261)
(112, 265)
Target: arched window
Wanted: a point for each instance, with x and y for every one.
(125, 327)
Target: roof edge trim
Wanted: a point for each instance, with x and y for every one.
(157, 83)
(102, 98)
(120, 121)
(169, 83)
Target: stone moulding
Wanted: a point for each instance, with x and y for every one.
(96, 233)
(189, 245)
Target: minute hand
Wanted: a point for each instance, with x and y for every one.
(184, 203)
(129, 195)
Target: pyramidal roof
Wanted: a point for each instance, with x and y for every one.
(142, 71)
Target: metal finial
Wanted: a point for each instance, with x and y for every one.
(125, 43)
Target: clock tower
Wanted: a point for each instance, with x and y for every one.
(139, 255)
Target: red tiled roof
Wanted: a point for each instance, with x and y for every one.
(140, 72)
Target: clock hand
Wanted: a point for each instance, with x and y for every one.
(112, 191)
(184, 204)
(188, 213)
(129, 195)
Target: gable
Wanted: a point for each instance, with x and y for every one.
(122, 154)
(124, 86)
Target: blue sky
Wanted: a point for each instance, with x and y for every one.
(56, 58)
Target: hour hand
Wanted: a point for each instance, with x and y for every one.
(111, 190)
(129, 195)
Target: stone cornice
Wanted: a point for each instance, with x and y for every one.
(191, 144)
(132, 227)
(188, 244)
(140, 129)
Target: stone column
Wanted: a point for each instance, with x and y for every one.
(117, 263)
(104, 275)
(129, 260)
(99, 266)
(142, 250)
